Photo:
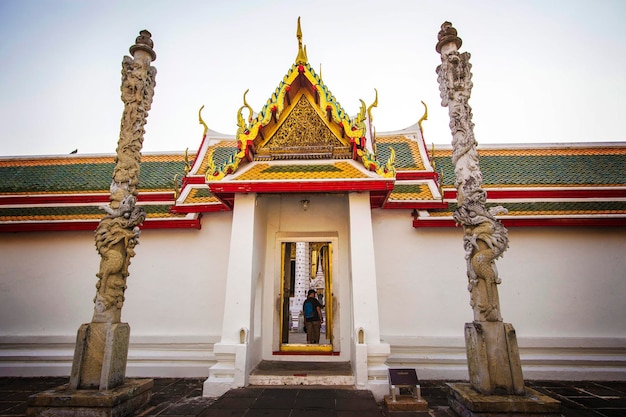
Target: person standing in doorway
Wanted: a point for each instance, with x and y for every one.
(313, 318)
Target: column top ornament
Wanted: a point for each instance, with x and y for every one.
(144, 43)
(446, 35)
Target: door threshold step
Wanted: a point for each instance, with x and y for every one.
(304, 353)
(302, 373)
(301, 379)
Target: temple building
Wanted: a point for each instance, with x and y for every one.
(306, 194)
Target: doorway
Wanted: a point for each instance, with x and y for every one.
(305, 265)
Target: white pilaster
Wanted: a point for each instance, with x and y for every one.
(370, 373)
(231, 352)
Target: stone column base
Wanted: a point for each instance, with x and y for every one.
(466, 402)
(100, 356)
(124, 400)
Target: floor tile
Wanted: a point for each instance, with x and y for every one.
(314, 403)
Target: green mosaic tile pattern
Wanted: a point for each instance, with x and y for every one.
(301, 168)
(404, 158)
(159, 175)
(83, 177)
(408, 188)
(544, 170)
(72, 211)
(203, 193)
(221, 154)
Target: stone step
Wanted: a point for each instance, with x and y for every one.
(269, 373)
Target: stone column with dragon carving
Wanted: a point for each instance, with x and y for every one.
(493, 355)
(102, 345)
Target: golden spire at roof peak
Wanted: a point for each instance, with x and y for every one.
(301, 59)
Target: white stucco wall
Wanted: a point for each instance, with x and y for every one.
(566, 282)
(47, 282)
(421, 277)
(562, 289)
(180, 280)
(174, 301)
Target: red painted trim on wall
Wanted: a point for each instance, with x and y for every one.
(535, 222)
(92, 225)
(538, 194)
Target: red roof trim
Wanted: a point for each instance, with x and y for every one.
(536, 222)
(193, 179)
(379, 189)
(199, 155)
(199, 208)
(68, 226)
(416, 175)
(419, 205)
(300, 186)
(576, 193)
(173, 224)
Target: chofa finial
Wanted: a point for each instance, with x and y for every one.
(446, 35)
(301, 59)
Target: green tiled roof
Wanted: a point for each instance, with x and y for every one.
(159, 175)
(83, 177)
(552, 170)
(553, 167)
(64, 211)
(408, 188)
(55, 178)
(404, 158)
(222, 153)
(203, 193)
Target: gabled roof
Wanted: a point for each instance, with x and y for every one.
(301, 129)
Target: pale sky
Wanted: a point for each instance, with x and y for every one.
(544, 70)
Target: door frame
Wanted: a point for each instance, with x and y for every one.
(331, 299)
(328, 295)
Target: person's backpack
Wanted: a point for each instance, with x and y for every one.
(309, 310)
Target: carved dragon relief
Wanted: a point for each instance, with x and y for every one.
(485, 238)
(118, 232)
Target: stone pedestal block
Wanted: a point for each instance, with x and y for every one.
(466, 402)
(493, 358)
(63, 401)
(100, 356)
(405, 403)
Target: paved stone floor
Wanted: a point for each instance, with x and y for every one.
(182, 397)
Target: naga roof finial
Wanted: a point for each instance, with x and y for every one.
(301, 59)
(424, 117)
(374, 104)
